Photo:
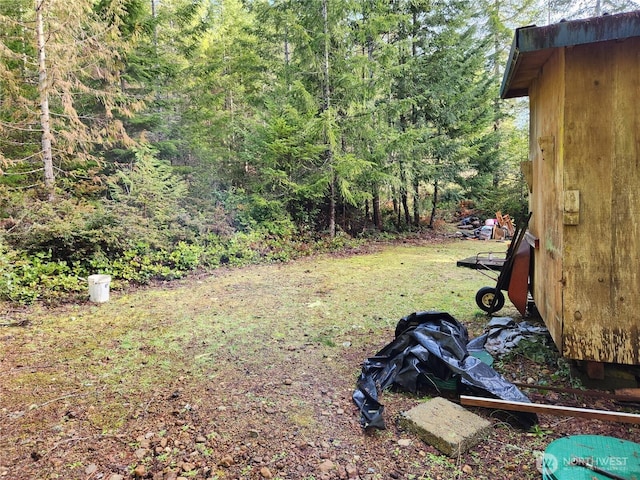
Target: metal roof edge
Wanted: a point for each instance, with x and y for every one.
(580, 32)
(512, 63)
(565, 34)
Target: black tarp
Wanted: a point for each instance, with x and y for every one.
(428, 344)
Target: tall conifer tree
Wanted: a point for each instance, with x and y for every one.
(73, 56)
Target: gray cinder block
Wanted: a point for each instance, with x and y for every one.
(448, 427)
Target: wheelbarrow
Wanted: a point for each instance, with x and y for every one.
(509, 270)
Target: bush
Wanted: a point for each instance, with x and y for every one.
(26, 279)
(68, 230)
(49, 252)
(185, 257)
(255, 213)
(143, 264)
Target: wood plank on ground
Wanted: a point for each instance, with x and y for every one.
(550, 409)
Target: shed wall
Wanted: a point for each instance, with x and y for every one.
(601, 160)
(545, 151)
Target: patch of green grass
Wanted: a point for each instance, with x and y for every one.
(123, 356)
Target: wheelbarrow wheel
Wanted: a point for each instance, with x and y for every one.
(485, 297)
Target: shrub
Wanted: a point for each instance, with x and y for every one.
(68, 230)
(255, 213)
(185, 257)
(26, 279)
(48, 254)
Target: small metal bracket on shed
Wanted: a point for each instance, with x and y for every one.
(571, 210)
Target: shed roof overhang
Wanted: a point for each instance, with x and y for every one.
(532, 46)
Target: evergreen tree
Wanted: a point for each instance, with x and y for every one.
(494, 160)
(439, 100)
(459, 103)
(317, 84)
(557, 10)
(61, 88)
(367, 124)
(223, 80)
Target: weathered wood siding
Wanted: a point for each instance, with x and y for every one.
(546, 113)
(585, 153)
(601, 161)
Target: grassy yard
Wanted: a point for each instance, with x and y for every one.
(241, 373)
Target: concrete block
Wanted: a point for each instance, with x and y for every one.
(445, 425)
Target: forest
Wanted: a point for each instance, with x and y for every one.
(145, 139)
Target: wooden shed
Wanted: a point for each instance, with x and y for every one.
(583, 82)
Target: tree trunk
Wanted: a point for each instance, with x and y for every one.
(45, 119)
(403, 195)
(496, 104)
(416, 202)
(332, 207)
(396, 206)
(155, 26)
(405, 207)
(325, 67)
(377, 217)
(287, 54)
(403, 178)
(327, 106)
(434, 205)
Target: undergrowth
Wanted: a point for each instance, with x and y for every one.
(541, 351)
(27, 278)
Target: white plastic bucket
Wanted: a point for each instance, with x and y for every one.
(99, 288)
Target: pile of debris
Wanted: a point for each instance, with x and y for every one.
(430, 350)
(499, 228)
